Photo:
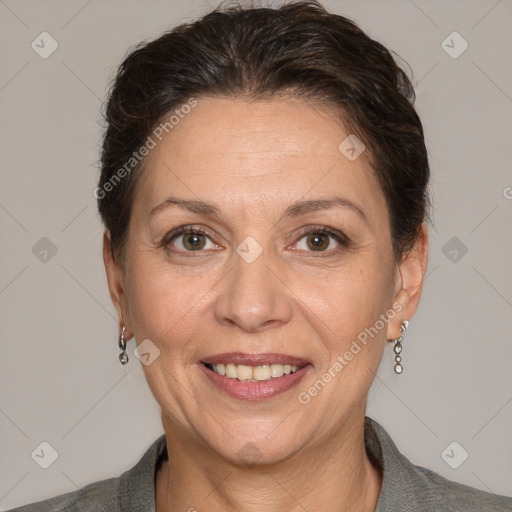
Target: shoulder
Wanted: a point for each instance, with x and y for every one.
(134, 490)
(410, 488)
(446, 495)
(95, 497)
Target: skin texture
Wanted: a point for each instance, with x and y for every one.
(253, 159)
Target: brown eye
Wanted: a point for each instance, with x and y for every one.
(193, 241)
(321, 240)
(188, 240)
(318, 242)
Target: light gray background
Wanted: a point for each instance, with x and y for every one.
(61, 380)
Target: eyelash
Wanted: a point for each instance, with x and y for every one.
(316, 230)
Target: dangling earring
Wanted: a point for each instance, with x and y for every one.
(398, 348)
(123, 356)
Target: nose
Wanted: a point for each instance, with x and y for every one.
(253, 296)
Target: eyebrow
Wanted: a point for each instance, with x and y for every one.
(297, 209)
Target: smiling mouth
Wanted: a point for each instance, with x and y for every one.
(254, 376)
(260, 373)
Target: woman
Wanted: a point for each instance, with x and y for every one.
(264, 195)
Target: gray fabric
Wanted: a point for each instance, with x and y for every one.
(410, 488)
(405, 487)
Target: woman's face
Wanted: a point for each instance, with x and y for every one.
(257, 288)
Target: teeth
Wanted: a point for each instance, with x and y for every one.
(277, 370)
(253, 373)
(262, 372)
(231, 371)
(244, 372)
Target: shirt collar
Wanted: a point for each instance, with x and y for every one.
(399, 484)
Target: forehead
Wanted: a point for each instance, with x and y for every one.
(272, 151)
(222, 128)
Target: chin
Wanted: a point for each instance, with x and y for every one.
(254, 444)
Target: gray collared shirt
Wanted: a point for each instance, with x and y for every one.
(405, 487)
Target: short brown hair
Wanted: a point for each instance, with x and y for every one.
(300, 49)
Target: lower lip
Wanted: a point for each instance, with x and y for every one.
(254, 391)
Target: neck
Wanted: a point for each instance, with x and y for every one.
(334, 475)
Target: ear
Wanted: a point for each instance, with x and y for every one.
(116, 278)
(409, 281)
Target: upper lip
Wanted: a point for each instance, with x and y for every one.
(251, 359)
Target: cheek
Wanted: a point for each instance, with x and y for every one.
(168, 309)
(353, 296)
(347, 309)
(166, 305)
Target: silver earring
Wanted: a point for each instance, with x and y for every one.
(398, 348)
(123, 356)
